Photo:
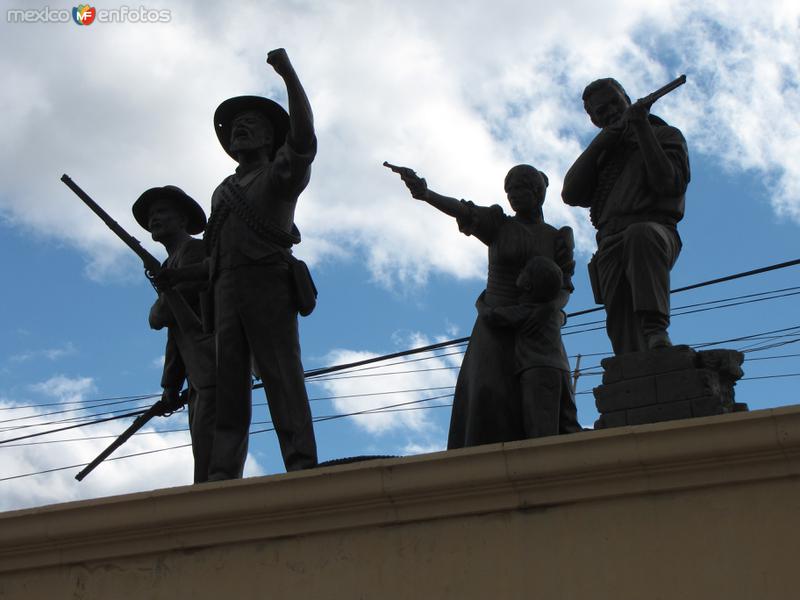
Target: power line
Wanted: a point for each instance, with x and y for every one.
(695, 286)
(71, 410)
(370, 411)
(391, 364)
(748, 359)
(777, 376)
(587, 372)
(336, 397)
(460, 341)
(707, 303)
(81, 402)
(464, 340)
(704, 305)
(345, 377)
(87, 419)
(31, 435)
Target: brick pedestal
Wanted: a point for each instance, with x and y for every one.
(666, 384)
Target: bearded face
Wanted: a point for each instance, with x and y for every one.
(251, 130)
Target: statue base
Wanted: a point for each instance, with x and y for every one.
(666, 384)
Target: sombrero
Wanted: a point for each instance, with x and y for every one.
(228, 110)
(195, 217)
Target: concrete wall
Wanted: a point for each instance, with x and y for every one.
(705, 508)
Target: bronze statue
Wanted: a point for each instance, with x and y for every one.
(548, 403)
(633, 178)
(172, 217)
(190, 351)
(488, 405)
(257, 288)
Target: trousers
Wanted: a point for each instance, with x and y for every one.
(202, 409)
(255, 317)
(633, 269)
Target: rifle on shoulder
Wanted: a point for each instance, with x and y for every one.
(193, 344)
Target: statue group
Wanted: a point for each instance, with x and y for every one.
(242, 281)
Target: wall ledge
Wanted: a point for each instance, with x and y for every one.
(585, 467)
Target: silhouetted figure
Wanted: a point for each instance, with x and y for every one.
(170, 215)
(548, 404)
(632, 177)
(250, 235)
(249, 238)
(488, 405)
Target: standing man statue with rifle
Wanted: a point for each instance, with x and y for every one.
(172, 217)
(257, 285)
(633, 178)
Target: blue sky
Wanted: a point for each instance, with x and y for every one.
(459, 92)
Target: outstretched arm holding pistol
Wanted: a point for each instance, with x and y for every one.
(419, 190)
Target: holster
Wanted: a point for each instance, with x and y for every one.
(304, 288)
(594, 280)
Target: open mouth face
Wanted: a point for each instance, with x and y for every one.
(250, 130)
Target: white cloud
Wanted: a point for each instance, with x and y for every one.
(68, 349)
(459, 91)
(65, 389)
(414, 448)
(399, 384)
(147, 472)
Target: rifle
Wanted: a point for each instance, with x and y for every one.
(158, 409)
(195, 346)
(650, 99)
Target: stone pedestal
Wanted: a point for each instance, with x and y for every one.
(666, 384)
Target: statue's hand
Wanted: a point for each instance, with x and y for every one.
(637, 112)
(171, 400)
(279, 61)
(166, 279)
(415, 184)
(157, 318)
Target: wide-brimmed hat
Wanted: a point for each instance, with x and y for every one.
(195, 216)
(228, 110)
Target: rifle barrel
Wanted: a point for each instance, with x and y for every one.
(663, 91)
(137, 424)
(151, 263)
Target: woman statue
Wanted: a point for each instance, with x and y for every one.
(488, 405)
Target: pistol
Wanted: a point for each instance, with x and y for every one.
(399, 170)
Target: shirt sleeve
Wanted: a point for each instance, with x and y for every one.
(291, 170)
(194, 253)
(674, 145)
(563, 253)
(481, 221)
(174, 368)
